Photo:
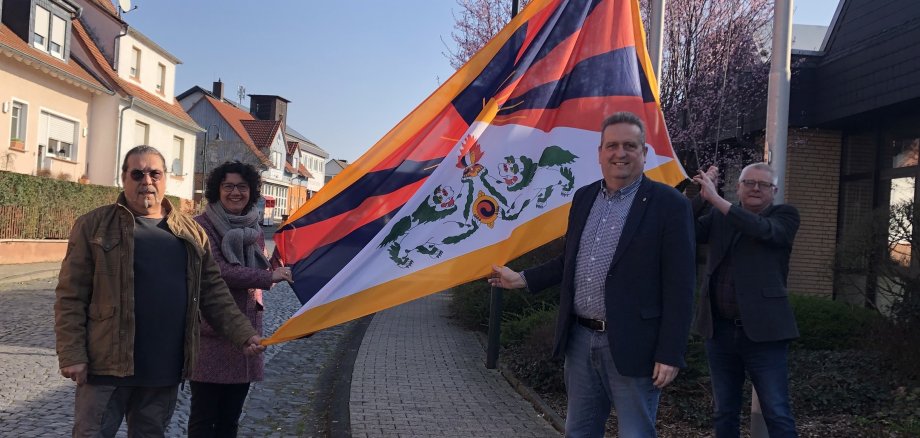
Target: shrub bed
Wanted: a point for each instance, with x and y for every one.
(841, 380)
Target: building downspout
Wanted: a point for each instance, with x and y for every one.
(121, 123)
(124, 31)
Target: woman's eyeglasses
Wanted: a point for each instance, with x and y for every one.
(227, 187)
(138, 175)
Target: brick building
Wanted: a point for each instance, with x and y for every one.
(853, 141)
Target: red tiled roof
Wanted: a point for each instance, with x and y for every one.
(109, 7)
(292, 146)
(72, 68)
(173, 109)
(262, 132)
(288, 168)
(235, 118)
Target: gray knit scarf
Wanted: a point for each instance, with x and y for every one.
(239, 236)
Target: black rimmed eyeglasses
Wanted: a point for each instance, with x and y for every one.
(227, 187)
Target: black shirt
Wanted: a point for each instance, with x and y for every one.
(160, 305)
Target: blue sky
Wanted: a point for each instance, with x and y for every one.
(352, 70)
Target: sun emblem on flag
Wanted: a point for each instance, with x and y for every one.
(470, 154)
(485, 208)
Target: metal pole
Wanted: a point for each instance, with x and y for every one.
(777, 131)
(778, 94)
(495, 327)
(495, 304)
(655, 36)
(204, 165)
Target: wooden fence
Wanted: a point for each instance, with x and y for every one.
(35, 222)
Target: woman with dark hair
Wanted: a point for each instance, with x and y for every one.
(220, 380)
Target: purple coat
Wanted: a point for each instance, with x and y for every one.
(219, 361)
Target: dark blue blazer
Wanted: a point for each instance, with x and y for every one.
(649, 286)
(759, 245)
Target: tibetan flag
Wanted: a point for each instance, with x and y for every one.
(479, 173)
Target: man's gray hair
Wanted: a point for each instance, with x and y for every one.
(142, 150)
(761, 166)
(625, 117)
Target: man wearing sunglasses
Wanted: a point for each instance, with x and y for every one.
(136, 277)
(744, 310)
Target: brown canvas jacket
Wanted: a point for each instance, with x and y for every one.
(94, 305)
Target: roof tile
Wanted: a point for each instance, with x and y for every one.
(262, 132)
(10, 39)
(127, 87)
(235, 118)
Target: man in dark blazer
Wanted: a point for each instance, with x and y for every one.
(627, 279)
(744, 310)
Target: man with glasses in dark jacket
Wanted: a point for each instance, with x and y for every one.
(744, 311)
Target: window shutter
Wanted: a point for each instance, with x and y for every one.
(58, 31)
(61, 129)
(178, 150)
(140, 133)
(42, 16)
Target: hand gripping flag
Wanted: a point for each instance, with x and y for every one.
(479, 173)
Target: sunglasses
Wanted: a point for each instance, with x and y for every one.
(138, 175)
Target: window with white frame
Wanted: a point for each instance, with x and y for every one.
(61, 137)
(276, 160)
(295, 162)
(18, 121)
(135, 63)
(141, 133)
(178, 152)
(49, 32)
(161, 78)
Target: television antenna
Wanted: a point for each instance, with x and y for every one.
(241, 93)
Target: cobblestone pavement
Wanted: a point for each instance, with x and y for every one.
(419, 375)
(36, 401)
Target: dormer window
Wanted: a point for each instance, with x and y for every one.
(49, 32)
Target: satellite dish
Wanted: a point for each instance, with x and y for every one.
(125, 5)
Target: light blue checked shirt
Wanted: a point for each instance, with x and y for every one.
(598, 243)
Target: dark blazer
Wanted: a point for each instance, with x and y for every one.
(759, 245)
(649, 287)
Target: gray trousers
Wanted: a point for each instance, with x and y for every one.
(99, 410)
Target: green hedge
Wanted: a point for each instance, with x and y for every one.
(48, 206)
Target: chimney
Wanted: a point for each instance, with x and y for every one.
(218, 90)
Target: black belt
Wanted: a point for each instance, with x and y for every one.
(730, 321)
(593, 324)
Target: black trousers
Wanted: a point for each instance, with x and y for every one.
(216, 409)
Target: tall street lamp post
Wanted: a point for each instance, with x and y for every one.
(204, 157)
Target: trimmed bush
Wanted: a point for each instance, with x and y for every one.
(830, 325)
(48, 207)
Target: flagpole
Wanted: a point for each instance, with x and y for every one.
(655, 35)
(776, 131)
(495, 304)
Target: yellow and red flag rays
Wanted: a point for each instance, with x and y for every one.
(479, 173)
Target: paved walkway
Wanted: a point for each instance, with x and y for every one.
(417, 374)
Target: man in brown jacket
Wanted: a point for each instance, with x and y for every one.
(137, 276)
